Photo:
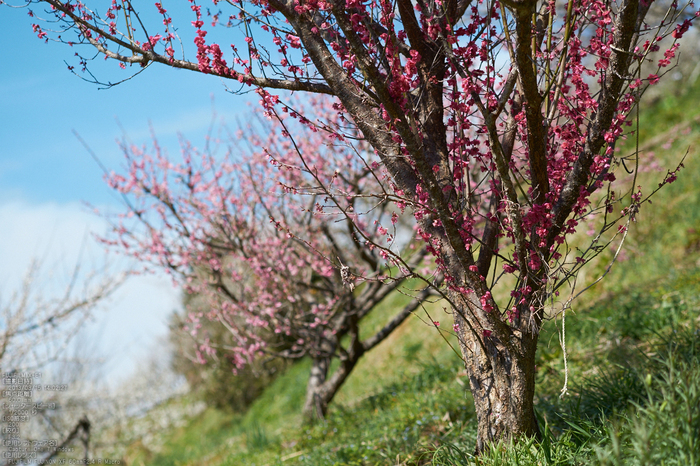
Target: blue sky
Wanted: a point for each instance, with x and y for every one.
(42, 103)
(46, 174)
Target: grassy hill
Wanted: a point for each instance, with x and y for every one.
(633, 346)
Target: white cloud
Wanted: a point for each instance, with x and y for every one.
(59, 236)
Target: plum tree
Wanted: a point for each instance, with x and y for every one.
(246, 237)
(497, 123)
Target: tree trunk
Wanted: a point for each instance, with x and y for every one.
(321, 389)
(314, 408)
(327, 391)
(502, 383)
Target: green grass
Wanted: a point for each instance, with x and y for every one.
(633, 355)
